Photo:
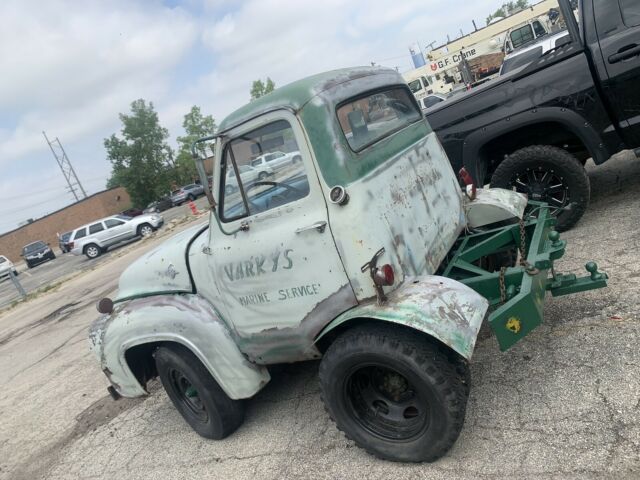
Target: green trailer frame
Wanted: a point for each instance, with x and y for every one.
(516, 293)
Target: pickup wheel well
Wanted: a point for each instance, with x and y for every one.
(462, 365)
(492, 153)
(141, 362)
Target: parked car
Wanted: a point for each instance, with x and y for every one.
(248, 174)
(186, 193)
(63, 242)
(525, 55)
(93, 239)
(36, 253)
(159, 205)
(276, 160)
(534, 128)
(433, 99)
(6, 266)
(370, 258)
(132, 212)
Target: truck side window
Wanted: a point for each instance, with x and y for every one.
(262, 185)
(369, 119)
(80, 234)
(630, 12)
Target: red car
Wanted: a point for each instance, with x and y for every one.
(132, 212)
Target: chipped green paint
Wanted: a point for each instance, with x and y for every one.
(205, 289)
(437, 306)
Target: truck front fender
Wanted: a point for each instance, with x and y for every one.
(438, 306)
(185, 319)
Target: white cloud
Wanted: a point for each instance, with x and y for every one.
(75, 66)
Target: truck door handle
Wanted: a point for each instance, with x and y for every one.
(319, 226)
(625, 53)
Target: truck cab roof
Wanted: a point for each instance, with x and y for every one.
(296, 95)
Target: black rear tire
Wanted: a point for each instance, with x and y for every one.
(196, 394)
(394, 393)
(536, 171)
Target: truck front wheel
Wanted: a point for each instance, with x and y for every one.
(547, 174)
(393, 393)
(196, 394)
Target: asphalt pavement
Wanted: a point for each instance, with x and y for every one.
(562, 404)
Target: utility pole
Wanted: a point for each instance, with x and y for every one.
(65, 165)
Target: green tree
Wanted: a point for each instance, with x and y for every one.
(260, 88)
(140, 158)
(195, 126)
(507, 8)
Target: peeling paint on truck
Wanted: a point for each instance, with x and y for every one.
(266, 292)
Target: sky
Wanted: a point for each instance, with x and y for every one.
(69, 68)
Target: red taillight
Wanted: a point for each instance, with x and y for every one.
(385, 276)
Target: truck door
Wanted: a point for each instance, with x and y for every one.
(280, 278)
(618, 27)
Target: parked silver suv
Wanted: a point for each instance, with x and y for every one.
(95, 238)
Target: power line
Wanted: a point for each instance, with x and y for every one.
(51, 189)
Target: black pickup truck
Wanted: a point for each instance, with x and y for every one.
(534, 128)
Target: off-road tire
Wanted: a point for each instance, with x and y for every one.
(92, 251)
(223, 415)
(435, 374)
(561, 163)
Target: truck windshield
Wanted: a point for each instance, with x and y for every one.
(369, 119)
(415, 86)
(33, 247)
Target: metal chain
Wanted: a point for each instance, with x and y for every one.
(503, 288)
(523, 244)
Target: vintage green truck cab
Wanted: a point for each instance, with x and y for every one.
(346, 237)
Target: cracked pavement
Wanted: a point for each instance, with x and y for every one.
(564, 403)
